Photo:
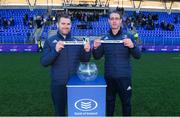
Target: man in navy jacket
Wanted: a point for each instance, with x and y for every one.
(64, 61)
(117, 64)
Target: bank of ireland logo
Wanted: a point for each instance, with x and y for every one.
(86, 104)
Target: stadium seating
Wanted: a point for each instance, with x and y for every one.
(18, 33)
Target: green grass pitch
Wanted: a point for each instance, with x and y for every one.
(24, 85)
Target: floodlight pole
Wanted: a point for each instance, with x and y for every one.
(139, 6)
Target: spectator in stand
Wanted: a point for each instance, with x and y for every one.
(5, 23)
(12, 21)
(176, 19)
(39, 22)
(31, 23)
(25, 19)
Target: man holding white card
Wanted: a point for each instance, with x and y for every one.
(117, 47)
(64, 61)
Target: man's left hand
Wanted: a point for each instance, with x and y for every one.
(87, 47)
(128, 43)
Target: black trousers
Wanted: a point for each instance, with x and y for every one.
(59, 97)
(122, 86)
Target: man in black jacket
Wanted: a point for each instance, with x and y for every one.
(64, 62)
(117, 63)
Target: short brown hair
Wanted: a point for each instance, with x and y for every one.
(63, 16)
(117, 12)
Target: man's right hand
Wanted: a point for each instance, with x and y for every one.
(97, 43)
(59, 46)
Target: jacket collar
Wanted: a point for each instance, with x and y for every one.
(68, 36)
(119, 33)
